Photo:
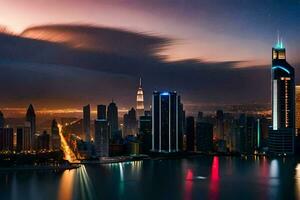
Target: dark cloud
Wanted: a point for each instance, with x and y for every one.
(71, 65)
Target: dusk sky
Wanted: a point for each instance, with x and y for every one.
(64, 54)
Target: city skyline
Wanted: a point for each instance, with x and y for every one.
(206, 67)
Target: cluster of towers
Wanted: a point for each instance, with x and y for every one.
(26, 138)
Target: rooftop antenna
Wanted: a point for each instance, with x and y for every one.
(140, 81)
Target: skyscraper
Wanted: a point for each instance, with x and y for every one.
(204, 136)
(190, 133)
(281, 135)
(130, 123)
(298, 110)
(101, 138)
(166, 122)
(87, 122)
(140, 101)
(31, 118)
(220, 125)
(24, 138)
(112, 119)
(1, 120)
(55, 138)
(6, 139)
(145, 133)
(101, 112)
(43, 141)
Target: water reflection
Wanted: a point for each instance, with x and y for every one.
(274, 178)
(214, 181)
(85, 184)
(188, 185)
(65, 190)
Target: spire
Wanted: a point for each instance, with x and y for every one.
(140, 82)
(30, 111)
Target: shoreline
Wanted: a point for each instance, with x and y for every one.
(39, 168)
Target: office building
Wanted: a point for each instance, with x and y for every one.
(190, 133)
(87, 122)
(297, 110)
(6, 139)
(130, 123)
(145, 133)
(55, 137)
(1, 120)
(24, 138)
(112, 119)
(282, 133)
(140, 101)
(31, 118)
(43, 141)
(220, 125)
(101, 112)
(204, 136)
(101, 138)
(166, 122)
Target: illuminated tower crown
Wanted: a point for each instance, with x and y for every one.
(140, 101)
(278, 51)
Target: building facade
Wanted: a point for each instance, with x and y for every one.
(140, 109)
(282, 133)
(166, 122)
(101, 138)
(101, 112)
(87, 122)
(204, 136)
(190, 133)
(112, 120)
(55, 137)
(6, 139)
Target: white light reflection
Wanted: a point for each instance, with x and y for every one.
(274, 179)
(86, 186)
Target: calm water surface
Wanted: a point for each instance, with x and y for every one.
(192, 178)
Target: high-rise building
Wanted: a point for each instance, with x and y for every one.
(31, 118)
(140, 101)
(298, 110)
(6, 139)
(43, 141)
(24, 138)
(87, 122)
(101, 112)
(101, 138)
(145, 133)
(281, 135)
(112, 119)
(1, 120)
(55, 138)
(220, 125)
(130, 123)
(204, 136)
(166, 108)
(200, 116)
(248, 134)
(190, 133)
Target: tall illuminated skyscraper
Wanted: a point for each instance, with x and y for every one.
(140, 109)
(281, 135)
(166, 122)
